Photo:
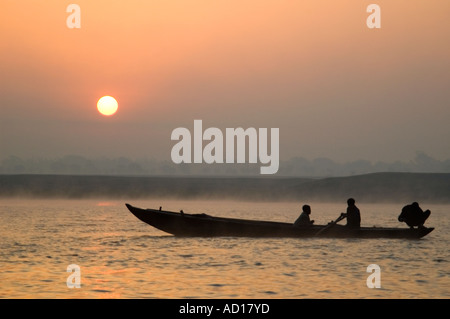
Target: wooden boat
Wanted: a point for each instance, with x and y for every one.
(202, 225)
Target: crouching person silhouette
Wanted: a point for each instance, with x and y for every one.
(413, 215)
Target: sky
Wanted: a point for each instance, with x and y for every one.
(312, 68)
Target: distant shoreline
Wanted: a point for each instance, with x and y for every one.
(374, 187)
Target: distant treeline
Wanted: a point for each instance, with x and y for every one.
(376, 187)
(295, 167)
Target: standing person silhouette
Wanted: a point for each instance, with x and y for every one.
(353, 215)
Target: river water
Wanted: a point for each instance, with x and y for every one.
(121, 257)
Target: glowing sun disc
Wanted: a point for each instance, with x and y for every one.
(107, 105)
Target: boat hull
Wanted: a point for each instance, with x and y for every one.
(202, 225)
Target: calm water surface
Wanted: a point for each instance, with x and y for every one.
(121, 257)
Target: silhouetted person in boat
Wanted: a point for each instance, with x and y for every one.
(413, 215)
(353, 215)
(303, 219)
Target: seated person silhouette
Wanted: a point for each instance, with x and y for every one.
(303, 219)
(413, 215)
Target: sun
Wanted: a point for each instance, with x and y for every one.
(107, 105)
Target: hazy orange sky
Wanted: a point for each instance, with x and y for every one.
(311, 68)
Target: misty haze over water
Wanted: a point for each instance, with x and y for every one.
(377, 187)
(299, 179)
(298, 167)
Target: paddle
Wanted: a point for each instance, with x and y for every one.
(341, 217)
